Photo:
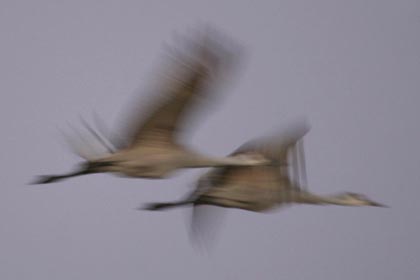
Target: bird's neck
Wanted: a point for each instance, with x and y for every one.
(309, 198)
(199, 160)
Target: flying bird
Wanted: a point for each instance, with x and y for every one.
(262, 188)
(152, 146)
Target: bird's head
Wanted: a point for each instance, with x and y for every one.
(357, 199)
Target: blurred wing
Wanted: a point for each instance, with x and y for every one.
(259, 187)
(186, 85)
(164, 121)
(297, 170)
(206, 220)
(277, 146)
(254, 188)
(285, 148)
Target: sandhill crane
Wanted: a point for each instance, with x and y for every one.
(261, 188)
(153, 149)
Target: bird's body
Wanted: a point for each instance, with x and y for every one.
(152, 148)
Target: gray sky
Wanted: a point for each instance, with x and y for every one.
(351, 67)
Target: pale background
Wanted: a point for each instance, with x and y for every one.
(351, 67)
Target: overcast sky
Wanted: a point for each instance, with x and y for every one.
(351, 67)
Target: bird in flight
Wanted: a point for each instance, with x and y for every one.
(152, 146)
(261, 188)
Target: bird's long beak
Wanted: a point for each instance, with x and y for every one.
(373, 203)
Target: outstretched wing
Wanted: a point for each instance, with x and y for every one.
(277, 146)
(187, 85)
(257, 188)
